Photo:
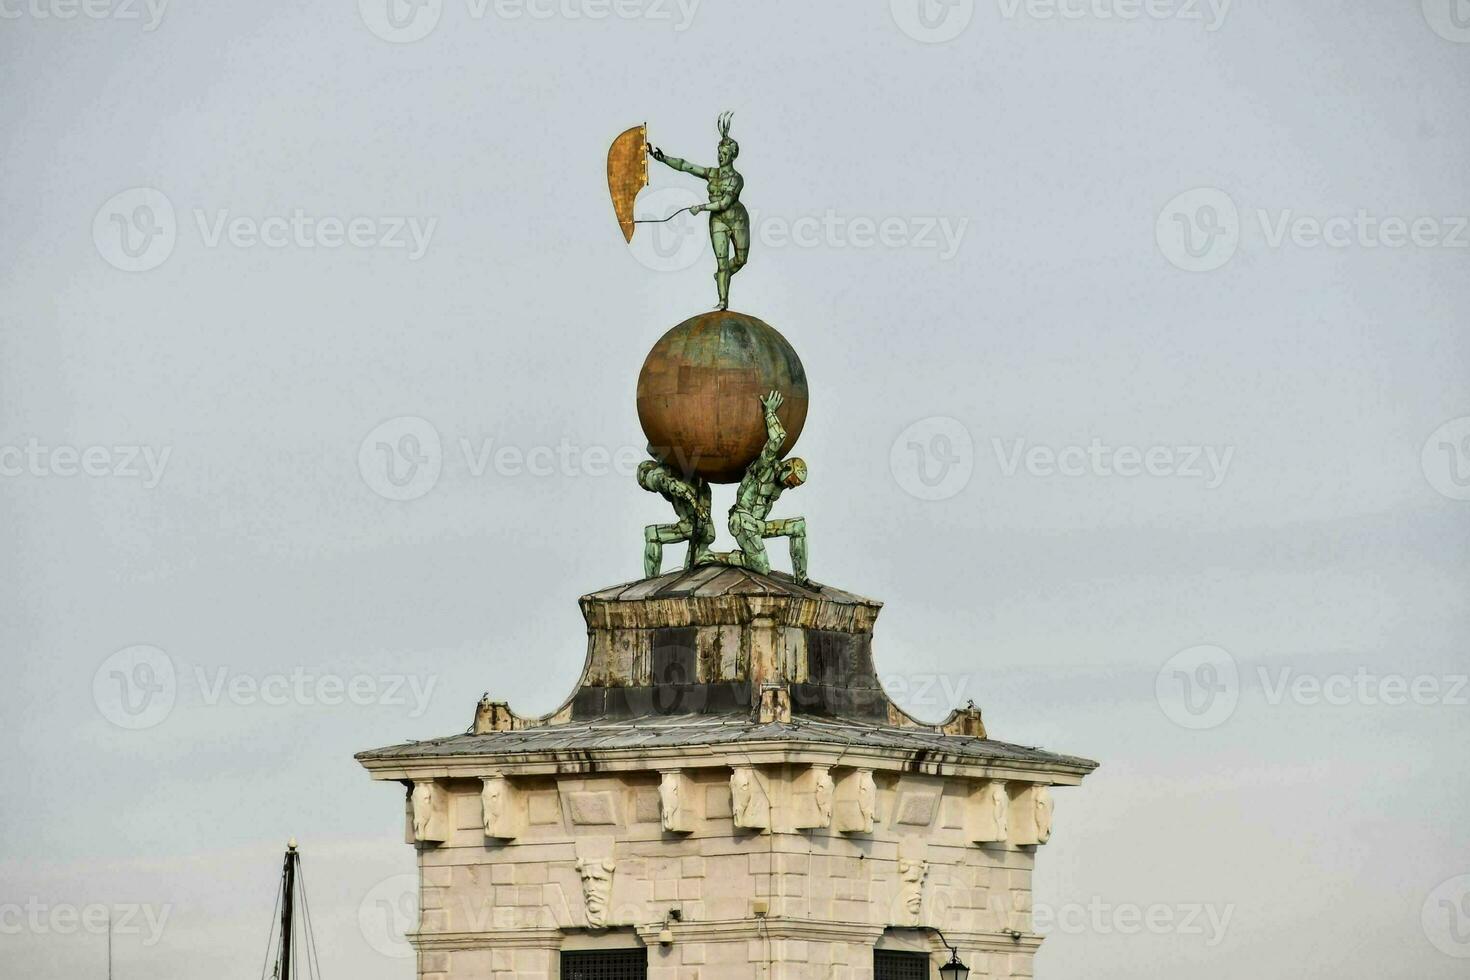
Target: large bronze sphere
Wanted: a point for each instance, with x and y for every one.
(700, 388)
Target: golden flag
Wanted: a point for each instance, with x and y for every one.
(627, 174)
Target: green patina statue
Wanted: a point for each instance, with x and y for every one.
(691, 502)
(729, 223)
(764, 482)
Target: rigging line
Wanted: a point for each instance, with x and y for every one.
(313, 961)
(270, 934)
(659, 221)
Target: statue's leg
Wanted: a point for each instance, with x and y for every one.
(793, 528)
(655, 536)
(719, 237)
(740, 235)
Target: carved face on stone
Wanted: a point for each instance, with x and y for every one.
(596, 888)
(912, 873)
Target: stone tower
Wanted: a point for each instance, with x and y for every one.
(728, 794)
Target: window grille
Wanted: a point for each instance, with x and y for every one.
(891, 964)
(605, 964)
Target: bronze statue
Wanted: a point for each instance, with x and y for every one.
(765, 480)
(691, 502)
(729, 223)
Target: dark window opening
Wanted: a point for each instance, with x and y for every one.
(605, 964)
(891, 964)
(674, 656)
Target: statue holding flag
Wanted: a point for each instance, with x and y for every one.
(729, 223)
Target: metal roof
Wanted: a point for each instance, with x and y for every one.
(687, 731)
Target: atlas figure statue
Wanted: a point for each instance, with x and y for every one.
(691, 502)
(764, 482)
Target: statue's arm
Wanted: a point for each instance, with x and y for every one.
(775, 431)
(677, 164)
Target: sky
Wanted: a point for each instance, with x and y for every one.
(1135, 335)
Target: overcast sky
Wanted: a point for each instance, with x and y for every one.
(1131, 330)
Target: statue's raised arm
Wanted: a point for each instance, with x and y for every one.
(676, 164)
(775, 431)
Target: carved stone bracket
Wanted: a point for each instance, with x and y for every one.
(502, 807)
(428, 812)
(750, 804)
(855, 805)
(987, 812)
(676, 802)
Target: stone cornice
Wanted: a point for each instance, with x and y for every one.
(716, 756)
(727, 930)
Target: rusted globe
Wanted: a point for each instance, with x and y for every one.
(700, 388)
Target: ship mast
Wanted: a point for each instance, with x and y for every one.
(291, 936)
(288, 898)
